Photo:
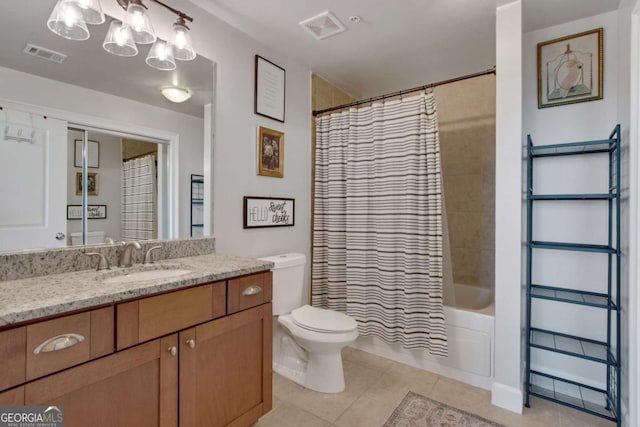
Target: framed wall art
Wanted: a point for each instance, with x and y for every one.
(570, 69)
(269, 89)
(270, 152)
(92, 184)
(93, 211)
(93, 158)
(261, 212)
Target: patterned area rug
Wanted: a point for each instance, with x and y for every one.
(418, 411)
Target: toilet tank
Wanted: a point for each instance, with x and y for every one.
(288, 281)
(93, 238)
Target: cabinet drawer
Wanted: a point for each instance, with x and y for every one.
(153, 317)
(66, 341)
(249, 291)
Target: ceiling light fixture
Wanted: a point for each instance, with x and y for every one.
(69, 19)
(176, 94)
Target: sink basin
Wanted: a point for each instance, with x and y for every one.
(141, 276)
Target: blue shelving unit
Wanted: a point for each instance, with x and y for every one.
(197, 203)
(552, 386)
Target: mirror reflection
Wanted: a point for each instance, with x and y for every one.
(122, 190)
(39, 178)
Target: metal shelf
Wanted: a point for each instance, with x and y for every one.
(603, 403)
(605, 196)
(572, 148)
(572, 296)
(570, 393)
(571, 345)
(580, 247)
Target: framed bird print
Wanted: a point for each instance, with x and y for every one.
(570, 69)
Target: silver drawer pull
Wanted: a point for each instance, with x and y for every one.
(59, 342)
(252, 290)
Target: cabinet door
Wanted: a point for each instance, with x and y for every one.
(225, 370)
(135, 387)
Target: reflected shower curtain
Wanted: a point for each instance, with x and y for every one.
(138, 210)
(377, 232)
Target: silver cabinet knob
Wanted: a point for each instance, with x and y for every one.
(172, 350)
(60, 236)
(191, 343)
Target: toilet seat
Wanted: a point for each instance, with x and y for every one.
(322, 320)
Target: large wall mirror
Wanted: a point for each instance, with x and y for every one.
(78, 165)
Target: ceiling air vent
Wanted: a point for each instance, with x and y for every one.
(324, 25)
(44, 53)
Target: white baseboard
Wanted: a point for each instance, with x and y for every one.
(506, 397)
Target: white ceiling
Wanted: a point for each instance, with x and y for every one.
(88, 65)
(399, 44)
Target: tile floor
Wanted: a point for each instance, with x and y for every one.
(376, 385)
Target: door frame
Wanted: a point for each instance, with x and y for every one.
(98, 124)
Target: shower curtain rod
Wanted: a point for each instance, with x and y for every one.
(491, 70)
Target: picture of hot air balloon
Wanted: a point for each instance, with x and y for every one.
(570, 69)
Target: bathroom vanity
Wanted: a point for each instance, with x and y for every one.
(191, 350)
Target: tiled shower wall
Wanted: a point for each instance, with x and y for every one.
(466, 117)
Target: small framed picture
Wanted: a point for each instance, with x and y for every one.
(270, 152)
(92, 185)
(261, 212)
(570, 69)
(269, 89)
(93, 211)
(93, 157)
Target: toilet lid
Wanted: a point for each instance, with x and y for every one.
(321, 320)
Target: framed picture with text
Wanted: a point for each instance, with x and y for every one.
(269, 89)
(261, 212)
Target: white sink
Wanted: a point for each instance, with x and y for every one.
(141, 276)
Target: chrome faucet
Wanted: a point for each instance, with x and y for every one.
(148, 257)
(103, 264)
(125, 255)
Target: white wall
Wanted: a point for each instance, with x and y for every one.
(235, 126)
(507, 387)
(628, 100)
(59, 99)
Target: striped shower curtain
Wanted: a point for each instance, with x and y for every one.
(138, 210)
(377, 232)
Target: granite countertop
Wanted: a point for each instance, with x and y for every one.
(39, 297)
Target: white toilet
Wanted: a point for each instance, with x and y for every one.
(307, 341)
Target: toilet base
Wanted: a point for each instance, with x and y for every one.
(325, 373)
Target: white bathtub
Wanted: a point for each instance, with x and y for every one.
(470, 337)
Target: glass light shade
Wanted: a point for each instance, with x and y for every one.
(176, 94)
(182, 45)
(91, 10)
(119, 40)
(140, 24)
(160, 56)
(66, 21)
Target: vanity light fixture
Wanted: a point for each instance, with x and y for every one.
(69, 19)
(176, 94)
(139, 22)
(119, 40)
(161, 57)
(66, 20)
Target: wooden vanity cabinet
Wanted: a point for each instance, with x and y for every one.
(225, 370)
(181, 359)
(134, 387)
